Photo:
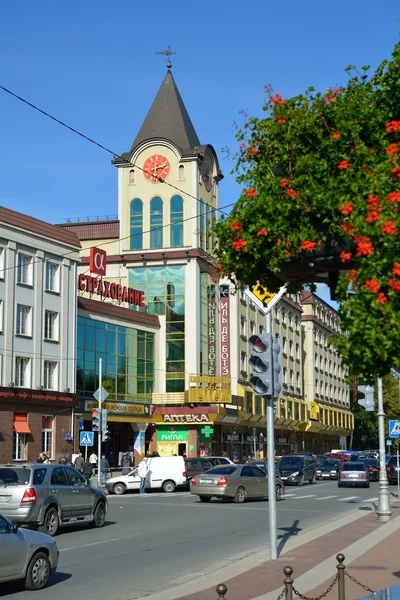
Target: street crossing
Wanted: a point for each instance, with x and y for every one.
(288, 496)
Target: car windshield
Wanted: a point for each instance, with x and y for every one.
(354, 466)
(290, 461)
(14, 475)
(370, 462)
(330, 463)
(222, 470)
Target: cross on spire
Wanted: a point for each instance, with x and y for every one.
(168, 53)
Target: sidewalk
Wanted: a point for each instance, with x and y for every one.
(370, 548)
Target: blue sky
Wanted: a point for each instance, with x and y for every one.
(93, 65)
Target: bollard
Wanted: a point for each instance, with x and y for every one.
(288, 581)
(341, 567)
(221, 590)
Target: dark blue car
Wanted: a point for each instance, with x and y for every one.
(329, 469)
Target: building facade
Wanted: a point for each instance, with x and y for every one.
(38, 271)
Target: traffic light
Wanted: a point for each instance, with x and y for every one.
(367, 401)
(261, 363)
(95, 419)
(105, 432)
(277, 366)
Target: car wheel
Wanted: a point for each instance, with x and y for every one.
(205, 498)
(51, 522)
(119, 489)
(169, 487)
(278, 493)
(38, 572)
(99, 516)
(301, 481)
(240, 495)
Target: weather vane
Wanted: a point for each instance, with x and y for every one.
(168, 52)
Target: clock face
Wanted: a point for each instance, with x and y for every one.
(156, 166)
(207, 178)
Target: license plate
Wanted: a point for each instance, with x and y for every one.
(397, 468)
(207, 481)
(283, 478)
(325, 475)
(4, 498)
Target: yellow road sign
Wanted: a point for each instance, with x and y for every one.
(261, 292)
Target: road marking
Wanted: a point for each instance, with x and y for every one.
(371, 499)
(153, 495)
(326, 497)
(348, 498)
(307, 496)
(289, 496)
(124, 537)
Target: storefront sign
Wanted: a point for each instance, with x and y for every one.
(172, 434)
(106, 289)
(98, 261)
(201, 418)
(250, 438)
(14, 395)
(121, 408)
(210, 395)
(231, 437)
(283, 441)
(224, 329)
(212, 339)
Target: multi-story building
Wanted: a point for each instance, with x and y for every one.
(38, 271)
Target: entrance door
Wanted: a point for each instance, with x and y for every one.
(181, 449)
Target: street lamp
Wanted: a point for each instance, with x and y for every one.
(384, 510)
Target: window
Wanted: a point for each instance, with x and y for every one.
(22, 372)
(132, 177)
(38, 476)
(261, 329)
(136, 224)
(24, 321)
(58, 477)
(297, 351)
(47, 435)
(242, 326)
(52, 277)
(1, 315)
(74, 478)
(243, 361)
(252, 327)
(283, 345)
(19, 446)
(156, 222)
(201, 223)
(51, 325)
(50, 375)
(2, 261)
(24, 269)
(181, 173)
(298, 380)
(176, 218)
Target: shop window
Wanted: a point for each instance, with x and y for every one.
(22, 372)
(136, 224)
(176, 218)
(282, 412)
(24, 269)
(51, 326)
(24, 320)
(296, 411)
(52, 280)
(290, 409)
(50, 369)
(156, 223)
(47, 435)
(21, 429)
(249, 402)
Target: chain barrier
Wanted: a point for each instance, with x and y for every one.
(365, 587)
(330, 588)
(283, 592)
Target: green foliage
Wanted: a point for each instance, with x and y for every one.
(321, 190)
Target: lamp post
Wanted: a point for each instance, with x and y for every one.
(384, 510)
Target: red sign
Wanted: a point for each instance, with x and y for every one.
(224, 329)
(106, 289)
(98, 261)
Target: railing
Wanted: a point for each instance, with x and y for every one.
(289, 591)
(91, 219)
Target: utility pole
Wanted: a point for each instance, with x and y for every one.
(384, 510)
(100, 399)
(270, 419)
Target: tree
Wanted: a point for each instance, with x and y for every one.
(321, 191)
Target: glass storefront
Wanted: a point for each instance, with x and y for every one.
(127, 360)
(164, 289)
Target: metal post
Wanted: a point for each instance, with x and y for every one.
(384, 511)
(398, 472)
(99, 432)
(288, 581)
(341, 568)
(269, 409)
(221, 590)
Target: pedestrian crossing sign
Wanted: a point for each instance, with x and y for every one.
(394, 429)
(86, 438)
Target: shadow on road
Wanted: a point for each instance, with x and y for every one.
(289, 533)
(6, 589)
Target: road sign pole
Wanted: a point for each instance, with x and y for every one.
(269, 409)
(398, 471)
(384, 510)
(99, 432)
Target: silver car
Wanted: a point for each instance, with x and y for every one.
(354, 474)
(26, 554)
(237, 482)
(48, 496)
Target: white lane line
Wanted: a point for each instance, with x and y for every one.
(153, 495)
(326, 497)
(348, 498)
(124, 537)
(371, 499)
(307, 496)
(289, 496)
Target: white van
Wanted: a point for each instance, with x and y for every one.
(165, 472)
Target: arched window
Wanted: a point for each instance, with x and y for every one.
(176, 221)
(136, 224)
(156, 222)
(132, 176)
(181, 172)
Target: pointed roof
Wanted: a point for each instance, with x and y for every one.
(168, 118)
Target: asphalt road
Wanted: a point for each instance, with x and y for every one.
(153, 542)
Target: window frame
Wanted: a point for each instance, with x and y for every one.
(27, 371)
(46, 431)
(27, 311)
(29, 269)
(55, 326)
(16, 438)
(54, 387)
(56, 277)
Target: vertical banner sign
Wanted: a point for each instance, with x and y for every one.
(98, 261)
(212, 309)
(224, 329)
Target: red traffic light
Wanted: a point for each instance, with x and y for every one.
(95, 412)
(258, 343)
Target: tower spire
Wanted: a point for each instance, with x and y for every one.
(168, 53)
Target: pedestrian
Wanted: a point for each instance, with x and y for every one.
(79, 462)
(126, 463)
(63, 460)
(41, 458)
(93, 459)
(87, 471)
(249, 458)
(104, 468)
(46, 459)
(143, 470)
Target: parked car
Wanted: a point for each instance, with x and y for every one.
(354, 474)
(297, 469)
(391, 469)
(165, 472)
(199, 464)
(237, 482)
(26, 554)
(48, 496)
(372, 465)
(329, 469)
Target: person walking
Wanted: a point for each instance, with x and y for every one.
(126, 463)
(104, 468)
(79, 462)
(63, 460)
(41, 458)
(93, 459)
(87, 471)
(143, 470)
